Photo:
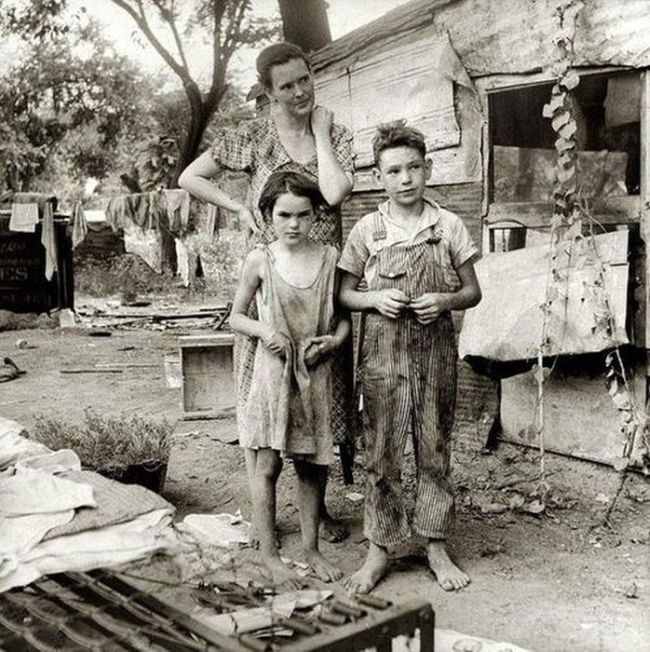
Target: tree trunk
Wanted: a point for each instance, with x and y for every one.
(305, 23)
(190, 148)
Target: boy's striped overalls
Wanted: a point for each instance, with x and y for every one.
(408, 379)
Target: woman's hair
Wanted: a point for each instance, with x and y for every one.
(276, 55)
(397, 134)
(293, 183)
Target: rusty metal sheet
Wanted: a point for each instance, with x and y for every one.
(507, 325)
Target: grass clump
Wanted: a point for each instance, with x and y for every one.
(108, 444)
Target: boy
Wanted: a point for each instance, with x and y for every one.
(416, 261)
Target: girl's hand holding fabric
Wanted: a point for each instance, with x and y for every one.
(319, 348)
(276, 343)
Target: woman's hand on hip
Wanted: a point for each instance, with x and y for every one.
(246, 219)
(321, 121)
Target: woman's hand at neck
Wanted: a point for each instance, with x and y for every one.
(285, 122)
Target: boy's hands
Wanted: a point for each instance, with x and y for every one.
(319, 348)
(321, 121)
(429, 307)
(276, 343)
(390, 302)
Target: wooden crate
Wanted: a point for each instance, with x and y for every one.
(208, 376)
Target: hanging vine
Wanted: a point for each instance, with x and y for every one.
(573, 245)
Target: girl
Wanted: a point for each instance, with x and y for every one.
(295, 135)
(289, 406)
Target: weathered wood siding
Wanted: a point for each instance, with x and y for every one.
(506, 36)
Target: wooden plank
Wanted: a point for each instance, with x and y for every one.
(208, 376)
(452, 165)
(569, 394)
(419, 75)
(645, 192)
(218, 339)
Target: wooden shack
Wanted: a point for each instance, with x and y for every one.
(474, 76)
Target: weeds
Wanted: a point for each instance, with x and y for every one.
(107, 443)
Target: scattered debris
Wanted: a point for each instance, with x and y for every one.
(9, 371)
(217, 529)
(91, 371)
(355, 496)
(67, 318)
(632, 591)
(492, 550)
(536, 507)
(493, 508)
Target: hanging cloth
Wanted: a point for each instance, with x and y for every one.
(24, 218)
(79, 225)
(48, 240)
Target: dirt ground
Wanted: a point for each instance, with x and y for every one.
(547, 582)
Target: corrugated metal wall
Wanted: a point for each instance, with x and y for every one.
(477, 396)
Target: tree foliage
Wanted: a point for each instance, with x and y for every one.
(225, 24)
(73, 99)
(66, 104)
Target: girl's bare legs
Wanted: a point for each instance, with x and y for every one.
(310, 483)
(330, 529)
(266, 465)
(250, 456)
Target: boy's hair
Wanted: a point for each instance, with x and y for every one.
(276, 55)
(280, 182)
(397, 134)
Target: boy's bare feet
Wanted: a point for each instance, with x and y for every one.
(282, 575)
(331, 530)
(373, 569)
(449, 576)
(322, 567)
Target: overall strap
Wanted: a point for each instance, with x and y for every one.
(378, 228)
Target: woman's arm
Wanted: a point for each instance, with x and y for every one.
(197, 177)
(334, 182)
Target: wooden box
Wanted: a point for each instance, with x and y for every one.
(208, 389)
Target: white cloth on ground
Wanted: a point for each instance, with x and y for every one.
(32, 491)
(103, 548)
(14, 447)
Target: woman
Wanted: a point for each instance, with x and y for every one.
(300, 137)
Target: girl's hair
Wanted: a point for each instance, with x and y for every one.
(276, 55)
(294, 183)
(397, 134)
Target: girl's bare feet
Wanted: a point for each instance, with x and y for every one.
(322, 567)
(369, 575)
(449, 576)
(282, 575)
(331, 530)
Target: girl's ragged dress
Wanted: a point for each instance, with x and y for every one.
(289, 406)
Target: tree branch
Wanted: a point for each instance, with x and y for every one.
(141, 21)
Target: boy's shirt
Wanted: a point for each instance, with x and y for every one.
(359, 256)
